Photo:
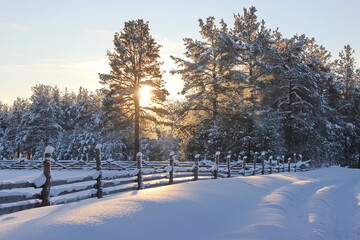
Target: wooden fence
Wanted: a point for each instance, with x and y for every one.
(131, 175)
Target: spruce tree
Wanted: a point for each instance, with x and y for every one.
(134, 65)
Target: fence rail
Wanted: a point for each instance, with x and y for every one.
(132, 175)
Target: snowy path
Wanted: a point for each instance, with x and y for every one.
(321, 204)
(309, 209)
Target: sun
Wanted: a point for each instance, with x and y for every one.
(145, 96)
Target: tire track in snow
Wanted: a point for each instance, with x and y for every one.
(333, 211)
(320, 213)
(279, 213)
(311, 209)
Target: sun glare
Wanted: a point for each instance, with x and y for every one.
(145, 96)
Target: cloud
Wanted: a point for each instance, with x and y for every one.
(14, 26)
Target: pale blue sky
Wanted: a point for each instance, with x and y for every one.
(64, 43)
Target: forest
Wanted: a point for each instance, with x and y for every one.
(247, 89)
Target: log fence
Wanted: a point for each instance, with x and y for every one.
(132, 175)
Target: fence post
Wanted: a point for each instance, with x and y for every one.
(289, 164)
(216, 170)
(171, 173)
(139, 167)
(295, 162)
(228, 165)
(254, 162)
(244, 164)
(283, 162)
(45, 193)
(196, 167)
(99, 185)
(263, 163)
(270, 160)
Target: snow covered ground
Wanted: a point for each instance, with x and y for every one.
(320, 204)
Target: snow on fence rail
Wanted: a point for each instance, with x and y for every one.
(132, 175)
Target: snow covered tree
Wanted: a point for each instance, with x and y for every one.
(16, 114)
(348, 105)
(134, 65)
(41, 125)
(300, 105)
(208, 81)
(6, 151)
(223, 77)
(345, 70)
(84, 127)
(254, 50)
(206, 71)
(254, 47)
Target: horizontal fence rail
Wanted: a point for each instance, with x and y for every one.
(130, 175)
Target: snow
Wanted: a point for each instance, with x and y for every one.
(39, 181)
(169, 168)
(49, 149)
(319, 204)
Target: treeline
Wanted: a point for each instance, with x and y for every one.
(247, 88)
(71, 122)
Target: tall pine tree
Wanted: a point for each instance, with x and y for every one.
(134, 65)
(348, 78)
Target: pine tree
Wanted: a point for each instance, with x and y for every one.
(206, 74)
(348, 105)
(301, 106)
(208, 84)
(18, 110)
(41, 124)
(223, 75)
(345, 70)
(254, 50)
(134, 65)
(5, 145)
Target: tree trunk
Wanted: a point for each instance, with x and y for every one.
(137, 122)
(288, 123)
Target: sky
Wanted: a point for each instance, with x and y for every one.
(64, 43)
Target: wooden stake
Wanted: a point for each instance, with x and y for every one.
(263, 163)
(171, 173)
(283, 163)
(139, 167)
(254, 161)
(196, 167)
(45, 193)
(289, 164)
(99, 185)
(228, 165)
(216, 170)
(244, 164)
